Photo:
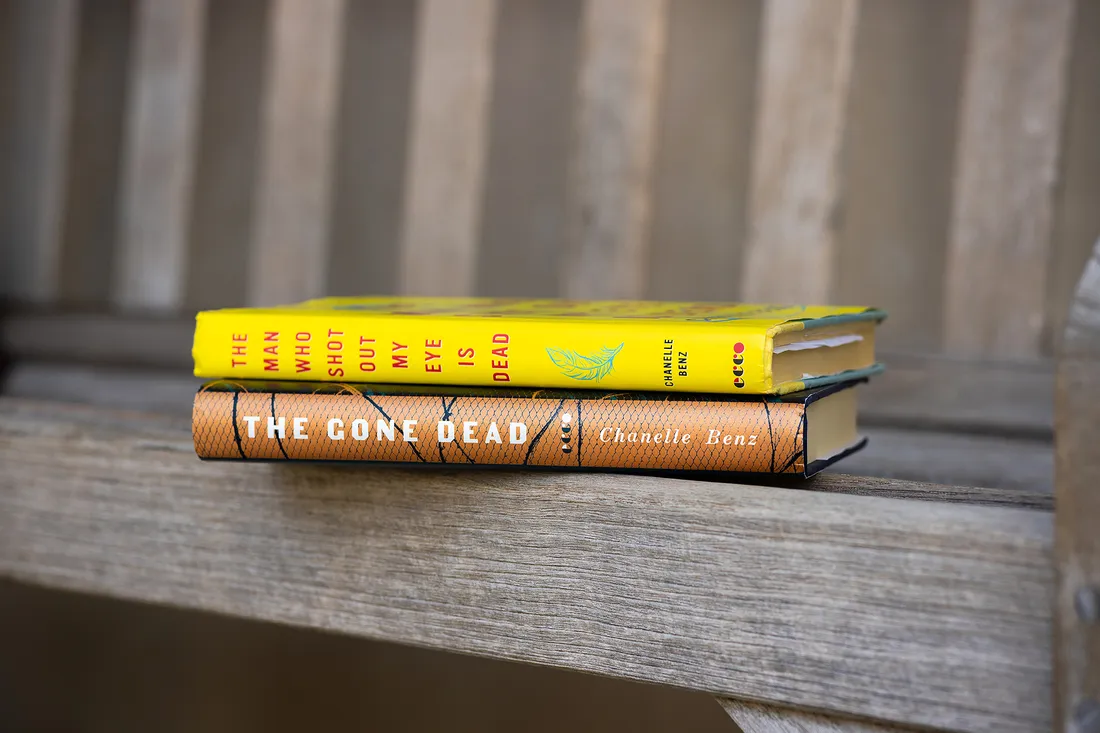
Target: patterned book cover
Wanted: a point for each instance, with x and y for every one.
(525, 428)
(609, 345)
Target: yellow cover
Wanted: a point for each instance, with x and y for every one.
(611, 345)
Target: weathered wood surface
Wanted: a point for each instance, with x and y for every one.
(704, 146)
(1011, 120)
(795, 196)
(159, 153)
(42, 38)
(1077, 523)
(734, 590)
(757, 718)
(293, 206)
(609, 212)
(448, 140)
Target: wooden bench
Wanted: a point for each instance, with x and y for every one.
(162, 156)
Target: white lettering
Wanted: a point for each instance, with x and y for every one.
(359, 429)
(468, 431)
(273, 427)
(446, 431)
(387, 430)
(517, 433)
(333, 433)
(406, 431)
(712, 436)
(300, 428)
(252, 420)
(493, 436)
(602, 438)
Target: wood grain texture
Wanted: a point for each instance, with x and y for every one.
(159, 153)
(227, 154)
(1077, 515)
(735, 590)
(757, 718)
(795, 196)
(293, 208)
(372, 138)
(704, 144)
(1010, 133)
(898, 152)
(43, 52)
(615, 134)
(447, 142)
(1076, 215)
(523, 217)
(90, 247)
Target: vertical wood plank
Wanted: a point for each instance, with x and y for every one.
(92, 194)
(622, 50)
(227, 154)
(297, 129)
(704, 150)
(757, 718)
(372, 135)
(897, 159)
(526, 178)
(43, 43)
(158, 153)
(1077, 512)
(1077, 212)
(795, 192)
(443, 185)
(1009, 137)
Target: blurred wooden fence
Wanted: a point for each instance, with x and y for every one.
(937, 158)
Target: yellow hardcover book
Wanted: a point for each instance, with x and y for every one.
(609, 345)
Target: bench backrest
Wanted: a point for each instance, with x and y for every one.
(934, 158)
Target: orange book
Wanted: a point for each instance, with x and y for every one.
(798, 433)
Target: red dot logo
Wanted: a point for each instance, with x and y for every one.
(738, 382)
(738, 370)
(738, 359)
(738, 347)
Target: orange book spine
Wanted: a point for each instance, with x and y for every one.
(536, 428)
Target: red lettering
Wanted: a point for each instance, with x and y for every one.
(301, 365)
(398, 347)
(428, 356)
(239, 350)
(365, 340)
(240, 337)
(500, 338)
(433, 367)
(333, 334)
(500, 364)
(236, 363)
(366, 366)
(433, 344)
(303, 335)
(274, 350)
(271, 335)
(500, 376)
(336, 372)
(271, 365)
(301, 350)
(400, 362)
(466, 353)
(502, 352)
(335, 345)
(335, 359)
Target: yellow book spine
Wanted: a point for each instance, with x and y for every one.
(482, 351)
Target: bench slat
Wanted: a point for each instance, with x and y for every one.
(43, 37)
(158, 153)
(448, 140)
(612, 163)
(802, 90)
(290, 234)
(1010, 133)
(921, 612)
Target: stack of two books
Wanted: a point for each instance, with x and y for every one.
(644, 386)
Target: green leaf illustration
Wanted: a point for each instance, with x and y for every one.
(592, 367)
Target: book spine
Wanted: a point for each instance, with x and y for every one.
(656, 434)
(676, 356)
